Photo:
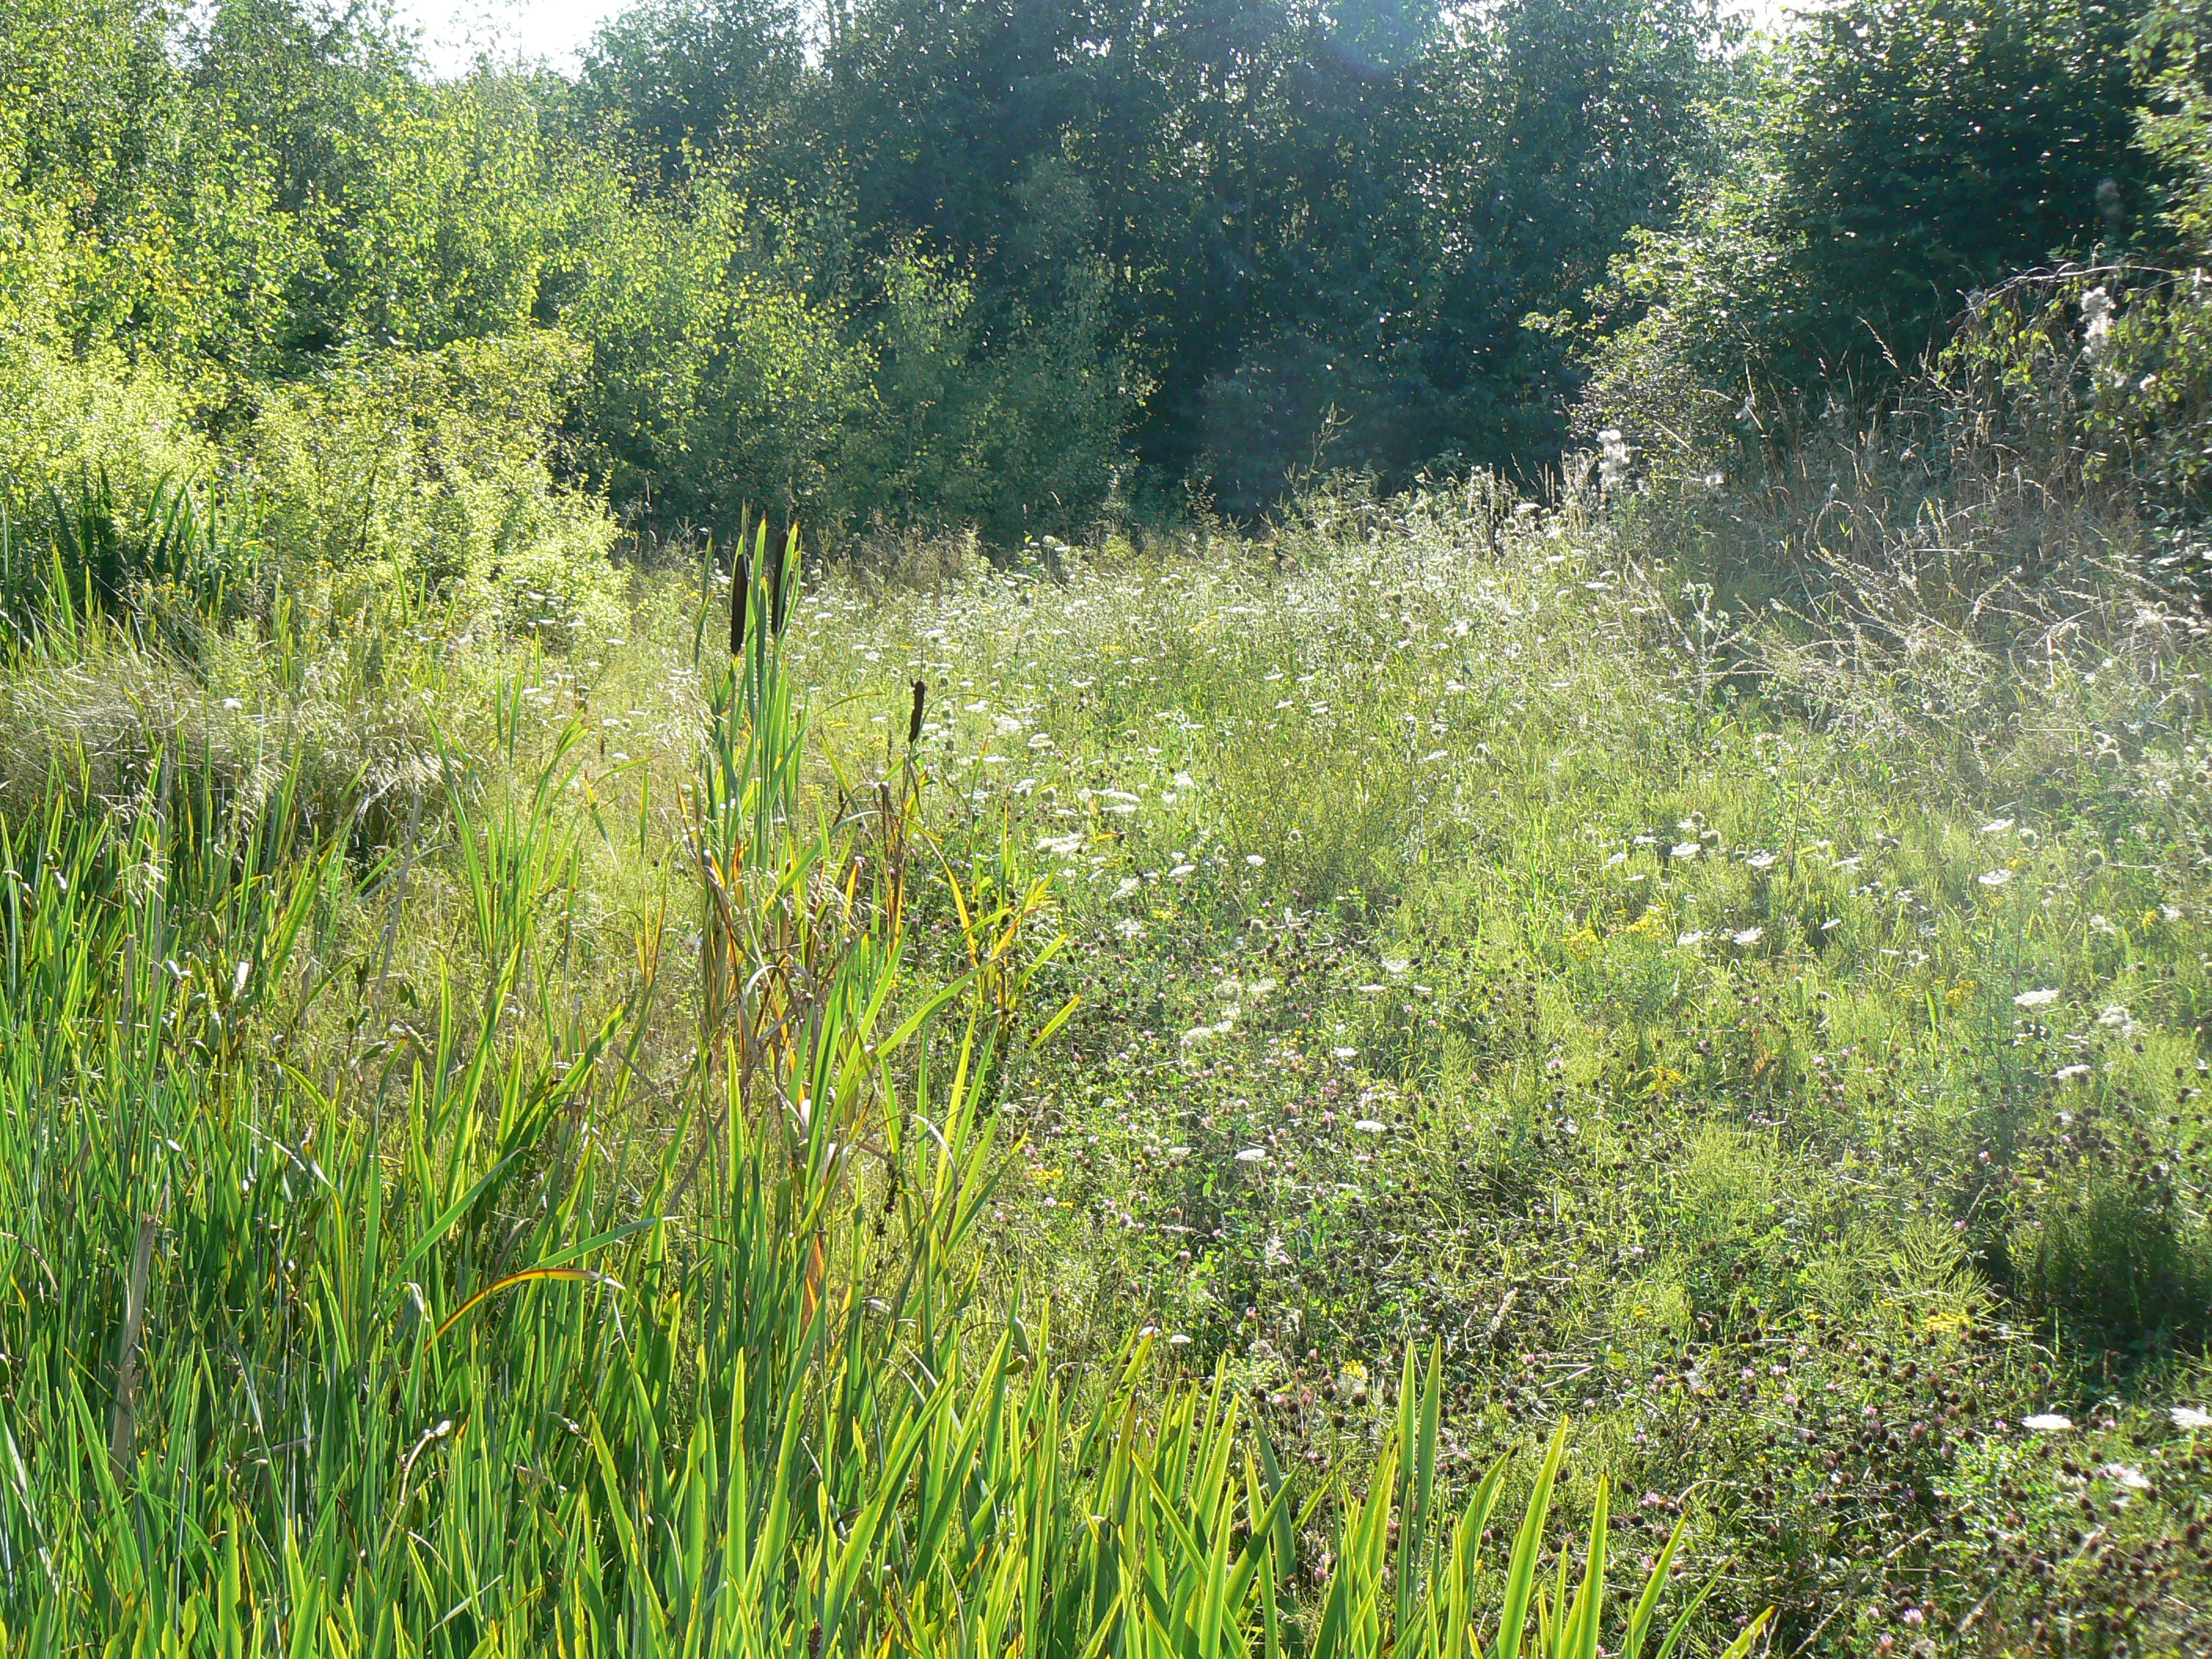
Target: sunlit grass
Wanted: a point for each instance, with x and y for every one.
(442, 1298)
(596, 1149)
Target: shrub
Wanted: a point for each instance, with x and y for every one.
(2097, 379)
(1889, 159)
(432, 470)
(64, 417)
(2100, 377)
(1004, 413)
(717, 383)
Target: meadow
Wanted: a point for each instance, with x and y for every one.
(964, 826)
(1464, 1075)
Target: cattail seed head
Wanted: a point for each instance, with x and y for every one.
(741, 588)
(775, 590)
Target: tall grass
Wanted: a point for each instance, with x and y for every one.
(479, 1340)
(171, 565)
(1501, 924)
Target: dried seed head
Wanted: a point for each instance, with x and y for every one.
(741, 588)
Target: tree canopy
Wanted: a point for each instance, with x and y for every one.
(999, 262)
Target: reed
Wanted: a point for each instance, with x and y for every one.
(478, 1350)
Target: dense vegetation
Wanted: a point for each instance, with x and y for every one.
(1120, 828)
(1008, 266)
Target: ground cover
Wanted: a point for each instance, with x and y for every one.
(1747, 1011)
(1785, 1059)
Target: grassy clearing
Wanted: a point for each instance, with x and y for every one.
(399, 1266)
(510, 1150)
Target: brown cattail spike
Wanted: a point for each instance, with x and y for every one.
(775, 590)
(913, 720)
(741, 592)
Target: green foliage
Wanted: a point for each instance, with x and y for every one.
(88, 100)
(2173, 56)
(692, 79)
(1293, 208)
(498, 1375)
(1573, 128)
(284, 197)
(197, 187)
(518, 1137)
(1884, 162)
(1019, 441)
(1906, 123)
(66, 415)
(2098, 377)
(715, 383)
(432, 470)
(981, 267)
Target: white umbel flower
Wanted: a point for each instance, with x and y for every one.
(2097, 311)
(1612, 458)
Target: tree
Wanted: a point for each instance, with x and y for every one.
(695, 78)
(1890, 158)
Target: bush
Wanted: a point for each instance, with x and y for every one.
(1891, 157)
(1001, 413)
(716, 384)
(2096, 379)
(2101, 377)
(1644, 381)
(432, 470)
(66, 416)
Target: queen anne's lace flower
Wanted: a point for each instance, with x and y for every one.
(2097, 309)
(1613, 458)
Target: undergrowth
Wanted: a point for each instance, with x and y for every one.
(1123, 1105)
